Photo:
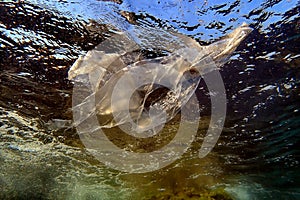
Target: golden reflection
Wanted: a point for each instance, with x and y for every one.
(187, 178)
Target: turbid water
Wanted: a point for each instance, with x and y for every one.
(257, 154)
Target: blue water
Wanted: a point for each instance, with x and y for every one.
(258, 152)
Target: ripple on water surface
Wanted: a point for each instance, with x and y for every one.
(41, 155)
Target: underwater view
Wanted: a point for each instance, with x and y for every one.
(146, 100)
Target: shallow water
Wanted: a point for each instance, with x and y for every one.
(257, 155)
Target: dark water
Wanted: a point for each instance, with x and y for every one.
(257, 156)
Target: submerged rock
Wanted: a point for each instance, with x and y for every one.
(216, 194)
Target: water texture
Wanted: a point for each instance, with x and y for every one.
(257, 155)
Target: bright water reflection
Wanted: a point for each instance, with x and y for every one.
(257, 156)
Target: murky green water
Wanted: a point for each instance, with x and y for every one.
(257, 155)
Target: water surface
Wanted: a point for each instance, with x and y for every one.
(257, 155)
